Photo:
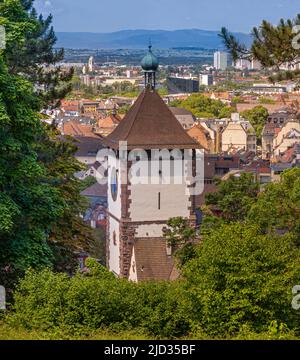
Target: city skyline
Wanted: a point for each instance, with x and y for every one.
(94, 16)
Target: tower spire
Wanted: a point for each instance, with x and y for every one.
(150, 65)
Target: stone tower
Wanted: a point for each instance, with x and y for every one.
(138, 210)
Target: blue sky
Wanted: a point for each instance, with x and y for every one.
(114, 15)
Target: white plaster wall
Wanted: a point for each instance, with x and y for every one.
(150, 230)
(235, 137)
(132, 271)
(114, 250)
(144, 202)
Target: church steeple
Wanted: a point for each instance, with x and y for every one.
(150, 65)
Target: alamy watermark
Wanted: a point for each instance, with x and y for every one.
(296, 298)
(2, 298)
(155, 167)
(2, 37)
(296, 39)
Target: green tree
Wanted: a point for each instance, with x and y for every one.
(272, 46)
(202, 106)
(240, 277)
(180, 237)
(30, 50)
(257, 117)
(124, 109)
(29, 203)
(226, 112)
(234, 197)
(277, 208)
(87, 182)
(40, 198)
(69, 235)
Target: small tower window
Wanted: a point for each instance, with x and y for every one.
(114, 184)
(158, 200)
(114, 238)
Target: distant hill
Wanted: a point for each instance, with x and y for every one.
(138, 39)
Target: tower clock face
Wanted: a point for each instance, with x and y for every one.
(114, 184)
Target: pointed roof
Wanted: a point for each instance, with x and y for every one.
(150, 124)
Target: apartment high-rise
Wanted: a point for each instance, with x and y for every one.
(206, 79)
(221, 60)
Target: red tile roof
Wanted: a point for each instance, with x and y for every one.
(74, 128)
(109, 122)
(152, 261)
(150, 124)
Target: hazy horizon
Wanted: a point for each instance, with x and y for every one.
(138, 29)
(94, 16)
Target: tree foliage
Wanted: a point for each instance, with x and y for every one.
(30, 203)
(202, 106)
(240, 277)
(97, 300)
(272, 46)
(277, 208)
(180, 237)
(40, 223)
(234, 197)
(30, 41)
(257, 117)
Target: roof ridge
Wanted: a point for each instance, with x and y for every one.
(149, 122)
(142, 96)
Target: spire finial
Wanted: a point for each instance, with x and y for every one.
(150, 65)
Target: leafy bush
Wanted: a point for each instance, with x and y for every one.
(240, 277)
(238, 284)
(98, 300)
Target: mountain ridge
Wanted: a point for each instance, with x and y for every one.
(138, 39)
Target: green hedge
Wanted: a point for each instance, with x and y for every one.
(82, 304)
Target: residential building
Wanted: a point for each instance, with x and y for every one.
(75, 128)
(220, 60)
(179, 85)
(273, 126)
(202, 136)
(206, 79)
(242, 64)
(107, 125)
(95, 214)
(90, 171)
(88, 148)
(89, 107)
(91, 64)
(185, 117)
(288, 136)
(238, 135)
(216, 166)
